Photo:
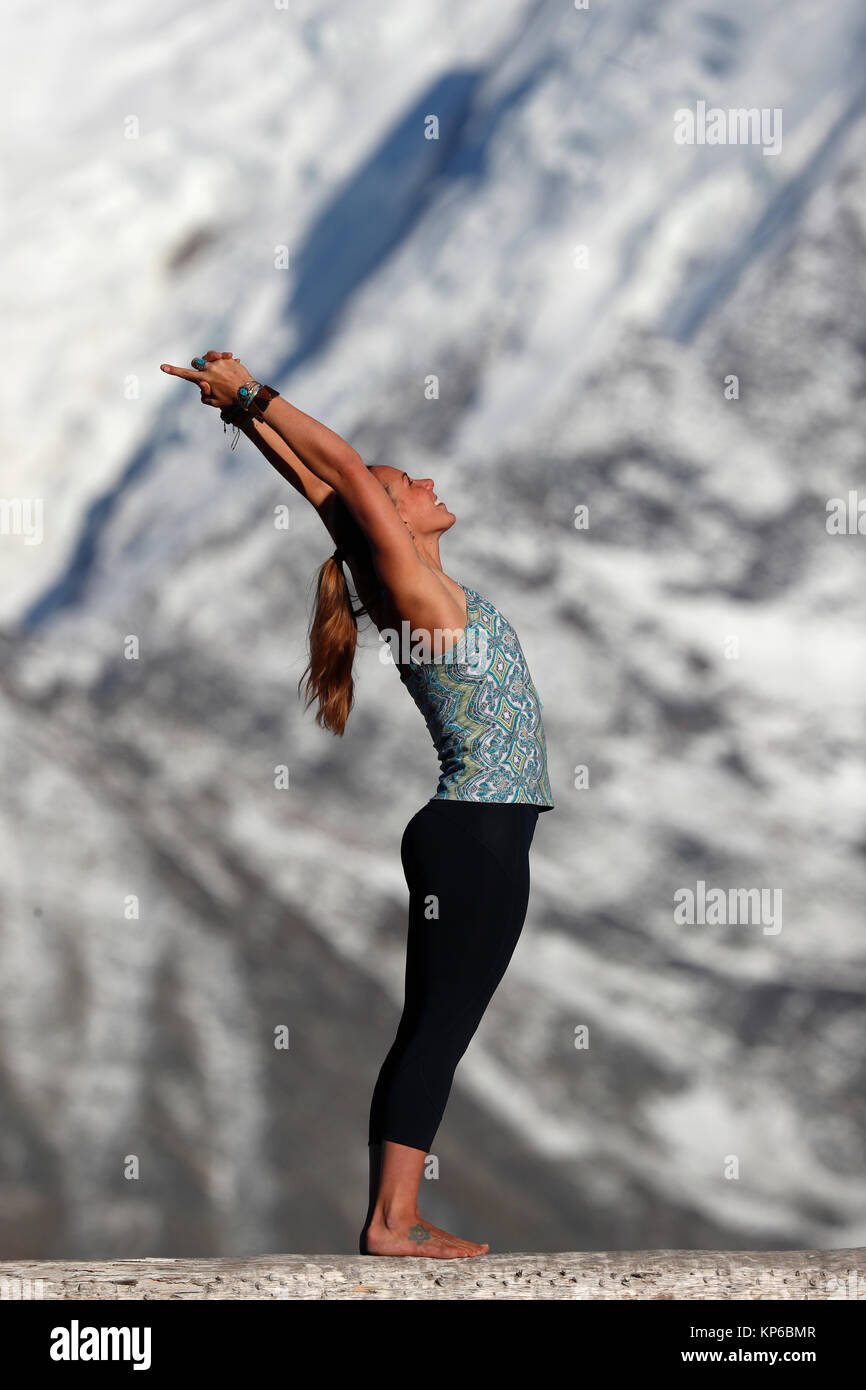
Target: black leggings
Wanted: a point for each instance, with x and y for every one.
(467, 867)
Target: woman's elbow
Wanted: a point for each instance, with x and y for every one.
(349, 466)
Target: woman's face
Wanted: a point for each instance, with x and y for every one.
(415, 501)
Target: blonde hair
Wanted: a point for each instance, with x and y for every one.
(333, 630)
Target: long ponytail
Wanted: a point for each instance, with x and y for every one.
(333, 635)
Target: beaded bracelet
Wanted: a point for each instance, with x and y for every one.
(233, 415)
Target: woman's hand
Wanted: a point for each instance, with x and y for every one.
(218, 380)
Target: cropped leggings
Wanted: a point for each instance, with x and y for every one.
(467, 868)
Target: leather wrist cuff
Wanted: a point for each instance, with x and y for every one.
(261, 400)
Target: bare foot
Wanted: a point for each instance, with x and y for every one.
(415, 1236)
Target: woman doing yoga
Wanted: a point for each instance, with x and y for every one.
(465, 854)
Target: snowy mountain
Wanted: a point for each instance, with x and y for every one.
(669, 336)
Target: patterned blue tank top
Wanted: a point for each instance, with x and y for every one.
(483, 713)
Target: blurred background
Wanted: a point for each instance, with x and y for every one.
(465, 237)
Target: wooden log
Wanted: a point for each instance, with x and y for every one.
(594, 1274)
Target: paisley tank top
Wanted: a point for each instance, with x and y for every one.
(483, 713)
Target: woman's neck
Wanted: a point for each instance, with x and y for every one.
(428, 549)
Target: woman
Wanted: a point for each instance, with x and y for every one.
(465, 854)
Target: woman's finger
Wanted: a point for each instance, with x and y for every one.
(181, 371)
(210, 356)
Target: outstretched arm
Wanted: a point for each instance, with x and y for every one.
(342, 469)
(286, 462)
(318, 453)
(302, 450)
(277, 452)
(417, 592)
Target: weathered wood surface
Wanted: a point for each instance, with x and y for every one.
(618, 1274)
